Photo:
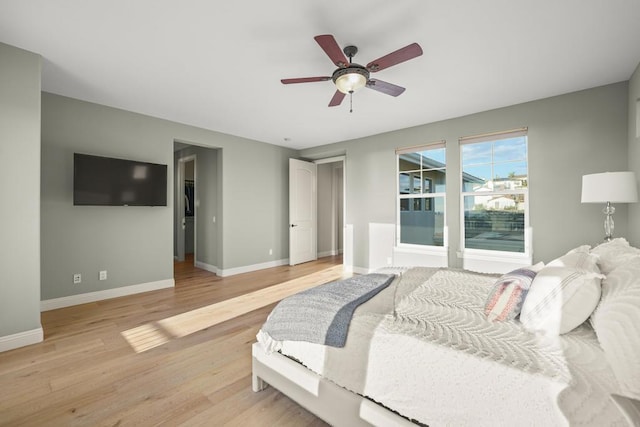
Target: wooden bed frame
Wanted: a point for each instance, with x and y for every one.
(334, 404)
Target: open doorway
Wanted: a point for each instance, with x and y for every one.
(331, 206)
(189, 209)
(185, 209)
(197, 206)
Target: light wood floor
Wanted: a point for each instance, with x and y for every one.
(177, 356)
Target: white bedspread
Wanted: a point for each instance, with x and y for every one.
(425, 349)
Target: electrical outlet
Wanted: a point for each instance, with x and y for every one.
(270, 251)
(77, 278)
(103, 275)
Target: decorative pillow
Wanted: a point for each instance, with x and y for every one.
(616, 321)
(509, 292)
(582, 248)
(560, 299)
(614, 253)
(578, 259)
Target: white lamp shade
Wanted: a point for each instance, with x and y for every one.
(614, 187)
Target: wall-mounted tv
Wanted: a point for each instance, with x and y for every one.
(105, 181)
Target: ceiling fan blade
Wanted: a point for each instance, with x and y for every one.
(394, 58)
(331, 48)
(337, 99)
(384, 87)
(305, 80)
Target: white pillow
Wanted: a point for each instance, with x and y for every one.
(582, 248)
(614, 253)
(560, 299)
(582, 260)
(616, 321)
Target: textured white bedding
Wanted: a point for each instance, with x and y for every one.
(424, 348)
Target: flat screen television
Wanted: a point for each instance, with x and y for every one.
(106, 181)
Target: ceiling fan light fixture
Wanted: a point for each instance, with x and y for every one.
(351, 78)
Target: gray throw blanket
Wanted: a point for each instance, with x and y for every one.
(322, 314)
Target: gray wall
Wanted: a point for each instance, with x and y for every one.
(633, 231)
(19, 190)
(135, 244)
(255, 205)
(207, 204)
(132, 243)
(569, 136)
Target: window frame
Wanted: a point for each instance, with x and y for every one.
(421, 196)
(491, 253)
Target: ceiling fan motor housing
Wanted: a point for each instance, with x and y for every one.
(350, 51)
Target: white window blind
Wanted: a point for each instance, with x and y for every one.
(492, 136)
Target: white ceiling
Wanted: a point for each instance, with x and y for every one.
(218, 65)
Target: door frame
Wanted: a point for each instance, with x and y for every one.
(179, 214)
(334, 190)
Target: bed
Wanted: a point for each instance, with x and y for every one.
(424, 350)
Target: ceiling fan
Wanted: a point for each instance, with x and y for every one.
(349, 76)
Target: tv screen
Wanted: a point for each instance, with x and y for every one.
(105, 181)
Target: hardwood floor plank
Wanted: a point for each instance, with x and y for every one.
(87, 373)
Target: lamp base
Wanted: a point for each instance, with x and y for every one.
(609, 210)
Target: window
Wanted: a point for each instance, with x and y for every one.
(495, 191)
(638, 118)
(421, 195)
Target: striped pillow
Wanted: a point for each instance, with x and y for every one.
(509, 292)
(560, 299)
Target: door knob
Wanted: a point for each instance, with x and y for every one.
(294, 225)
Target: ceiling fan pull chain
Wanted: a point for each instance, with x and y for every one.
(351, 101)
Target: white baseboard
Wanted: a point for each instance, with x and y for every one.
(21, 339)
(249, 268)
(359, 270)
(52, 304)
(211, 268)
(327, 253)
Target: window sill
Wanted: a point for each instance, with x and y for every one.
(421, 256)
(493, 261)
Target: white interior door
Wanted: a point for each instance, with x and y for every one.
(303, 232)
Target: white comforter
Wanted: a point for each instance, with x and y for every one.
(424, 349)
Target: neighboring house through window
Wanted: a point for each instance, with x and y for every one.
(495, 192)
(421, 195)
